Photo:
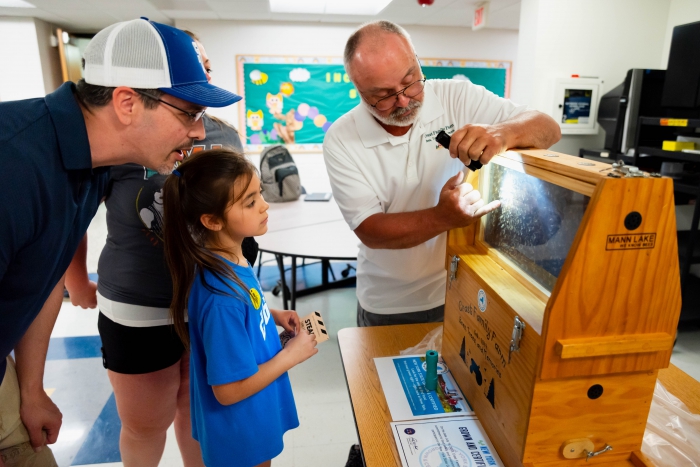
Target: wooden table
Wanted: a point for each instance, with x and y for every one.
(313, 230)
(358, 346)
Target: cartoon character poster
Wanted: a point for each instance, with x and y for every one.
(294, 100)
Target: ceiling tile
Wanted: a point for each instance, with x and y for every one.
(447, 17)
(125, 14)
(32, 13)
(296, 17)
(352, 19)
(121, 3)
(413, 9)
(190, 14)
(182, 5)
(92, 15)
(507, 17)
(49, 5)
(245, 16)
(255, 6)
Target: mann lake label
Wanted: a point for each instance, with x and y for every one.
(640, 241)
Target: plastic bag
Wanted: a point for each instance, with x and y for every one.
(672, 437)
(431, 341)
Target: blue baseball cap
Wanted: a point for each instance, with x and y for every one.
(148, 55)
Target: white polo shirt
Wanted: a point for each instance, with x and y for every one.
(373, 172)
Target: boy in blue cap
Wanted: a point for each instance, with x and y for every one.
(142, 100)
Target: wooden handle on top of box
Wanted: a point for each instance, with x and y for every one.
(614, 345)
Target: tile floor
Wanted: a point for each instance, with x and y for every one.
(89, 435)
(78, 384)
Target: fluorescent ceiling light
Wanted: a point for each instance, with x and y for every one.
(15, 4)
(329, 7)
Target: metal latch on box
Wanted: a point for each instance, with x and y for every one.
(517, 335)
(590, 454)
(453, 269)
(620, 170)
(582, 447)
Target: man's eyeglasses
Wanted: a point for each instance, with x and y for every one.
(193, 117)
(412, 90)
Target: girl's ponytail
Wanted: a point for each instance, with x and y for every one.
(203, 184)
(180, 253)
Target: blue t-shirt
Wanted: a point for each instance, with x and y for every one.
(49, 193)
(229, 338)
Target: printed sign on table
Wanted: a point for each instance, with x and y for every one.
(453, 442)
(403, 382)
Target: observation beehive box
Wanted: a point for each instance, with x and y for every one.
(561, 307)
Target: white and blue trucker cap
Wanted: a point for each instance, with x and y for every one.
(148, 55)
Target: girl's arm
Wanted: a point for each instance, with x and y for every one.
(298, 349)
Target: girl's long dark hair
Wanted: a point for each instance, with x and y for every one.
(205, 186)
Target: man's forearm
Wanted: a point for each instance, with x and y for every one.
(30, 352)
(400, 230)
(531, 129)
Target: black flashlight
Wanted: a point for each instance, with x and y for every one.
(443, 140)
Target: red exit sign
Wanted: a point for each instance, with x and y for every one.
(480, 14)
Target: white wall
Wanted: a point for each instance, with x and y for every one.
(603, 38)
(680, 12)
(21, 76)
(224, 40)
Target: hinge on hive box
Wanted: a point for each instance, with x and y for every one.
(453, 269)
(518, 327)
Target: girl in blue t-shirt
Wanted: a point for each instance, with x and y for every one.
(241, 398)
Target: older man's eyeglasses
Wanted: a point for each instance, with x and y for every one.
(193, 117)
(412, 90)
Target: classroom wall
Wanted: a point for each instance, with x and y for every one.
(680, 12)
(22, 76)
(603, 38)
(224, 40)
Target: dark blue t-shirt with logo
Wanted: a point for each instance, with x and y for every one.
(132, 265)
(229, 337)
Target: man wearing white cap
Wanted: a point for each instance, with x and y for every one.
(141, 101)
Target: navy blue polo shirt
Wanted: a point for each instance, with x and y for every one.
(49, 193)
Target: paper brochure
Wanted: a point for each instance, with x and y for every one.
(403, 382)
(446, 442)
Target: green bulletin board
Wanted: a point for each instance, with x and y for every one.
(307, 94)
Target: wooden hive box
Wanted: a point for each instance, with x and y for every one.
(562, 308)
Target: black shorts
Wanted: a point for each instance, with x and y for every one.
(135, 351)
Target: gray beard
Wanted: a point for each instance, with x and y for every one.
(166, 168)
(394, 118)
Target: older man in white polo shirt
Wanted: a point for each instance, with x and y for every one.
(396, 187)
